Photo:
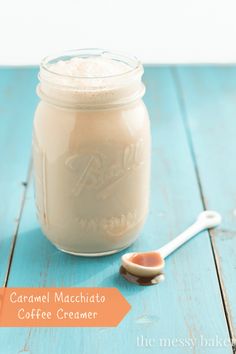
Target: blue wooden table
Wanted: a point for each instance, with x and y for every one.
(193, 116)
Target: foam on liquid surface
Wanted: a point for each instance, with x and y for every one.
(94, 67)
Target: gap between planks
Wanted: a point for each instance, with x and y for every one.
(25, 185)
(180, 98)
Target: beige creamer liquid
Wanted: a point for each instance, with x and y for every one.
(91, 162)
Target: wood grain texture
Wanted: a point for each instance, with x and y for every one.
(186, 306)
(209, 106)
(17, 104)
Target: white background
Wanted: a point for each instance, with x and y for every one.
(157, 31)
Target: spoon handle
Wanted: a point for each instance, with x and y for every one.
(207, 219)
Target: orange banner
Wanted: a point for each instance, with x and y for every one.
(61, 307)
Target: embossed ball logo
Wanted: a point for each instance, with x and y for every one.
(95, 170)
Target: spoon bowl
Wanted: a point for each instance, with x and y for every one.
(141, 269)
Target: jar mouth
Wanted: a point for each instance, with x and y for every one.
(121, 85)
(133, 64)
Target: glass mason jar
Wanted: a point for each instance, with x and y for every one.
(91, 154)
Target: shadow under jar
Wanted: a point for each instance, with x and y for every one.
(91, 151)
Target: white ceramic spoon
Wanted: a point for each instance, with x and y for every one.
(207, 219)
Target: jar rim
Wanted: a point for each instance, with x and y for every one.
(132, 62)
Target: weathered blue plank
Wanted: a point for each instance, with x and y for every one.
(17, 103)
(181, 308)
(209, 98)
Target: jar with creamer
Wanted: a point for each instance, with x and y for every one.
(91, 151)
